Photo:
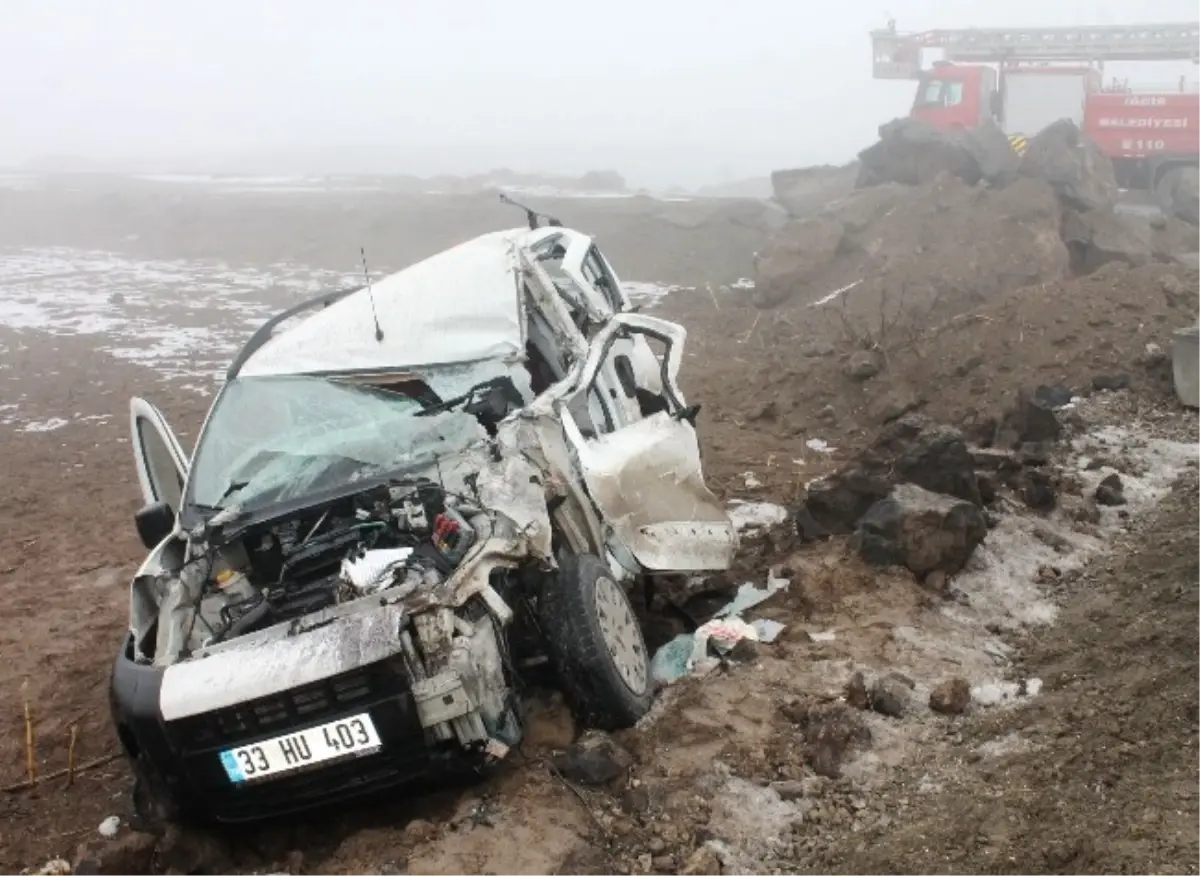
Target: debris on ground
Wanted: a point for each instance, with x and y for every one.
(594, 759)
(1179, 194)
(1036, 406)
(911, 151)
(690, 652)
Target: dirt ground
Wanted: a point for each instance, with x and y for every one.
(1091, 769)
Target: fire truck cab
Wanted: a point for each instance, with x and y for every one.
(1025, 79)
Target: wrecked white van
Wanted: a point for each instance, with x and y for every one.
(397, 507)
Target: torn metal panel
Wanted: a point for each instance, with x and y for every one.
(647, 482)
(513, 487)
(537, 434)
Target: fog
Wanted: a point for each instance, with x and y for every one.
(668, 92)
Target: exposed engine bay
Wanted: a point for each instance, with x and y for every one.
(400, 537)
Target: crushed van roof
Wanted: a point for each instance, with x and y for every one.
(461, 305)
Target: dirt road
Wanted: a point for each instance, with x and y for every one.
(1077, 752)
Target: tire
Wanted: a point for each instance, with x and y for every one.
(154, 807)
(596, 643)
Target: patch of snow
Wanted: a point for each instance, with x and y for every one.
(181, 317)
(750, 822)
(819, 446)
(647, 294)
(45, 425)
(756, 515)
(995, 693)
(1001, 589)
(835, 294)
(1009, 743)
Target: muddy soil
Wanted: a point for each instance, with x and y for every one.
(1097, 772)
(1098, 775)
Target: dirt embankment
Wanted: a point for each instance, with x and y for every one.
(893, 725)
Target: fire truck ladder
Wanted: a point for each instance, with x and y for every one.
(897, 55)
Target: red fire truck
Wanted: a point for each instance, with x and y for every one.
(1026, 78)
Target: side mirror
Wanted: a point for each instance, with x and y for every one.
(154, 522)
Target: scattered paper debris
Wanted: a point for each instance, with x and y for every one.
(748, 596)
(768, 630)
(688, 653)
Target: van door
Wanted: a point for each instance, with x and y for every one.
(645, 477)
(161, 464)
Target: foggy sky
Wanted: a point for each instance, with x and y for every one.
(665, 91)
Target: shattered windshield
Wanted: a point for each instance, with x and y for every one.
(278, 439)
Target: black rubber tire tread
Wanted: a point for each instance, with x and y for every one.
(153, 806)
(591, 683)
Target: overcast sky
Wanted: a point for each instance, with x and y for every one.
(665, 91)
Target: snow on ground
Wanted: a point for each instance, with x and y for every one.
(183, 318)
(1007, 584)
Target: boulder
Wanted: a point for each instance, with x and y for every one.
(1081, 175)
(856, 692)
(1028, 421)
(1174, 240)
(1054, 396)
(998, 164)
(595, 759)
(890, 695)
(1110, 491)
(920, 530)
(1179, 194)
(861, 365)
(805, 191)
(793, 257)
(913, 152)
(912, 450)
(1098, 237)
(837, 502)
(950, 697)
(1038, 489)
(861, 207)
(929, 455)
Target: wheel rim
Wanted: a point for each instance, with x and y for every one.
(621, 633)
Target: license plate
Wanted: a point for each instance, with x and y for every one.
(337, 740)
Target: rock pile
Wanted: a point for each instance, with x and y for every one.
(962, 215)
(918, 497)
(1178, 192)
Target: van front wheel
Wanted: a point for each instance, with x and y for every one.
(596, 642)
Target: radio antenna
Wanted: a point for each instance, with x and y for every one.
(370, 294)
